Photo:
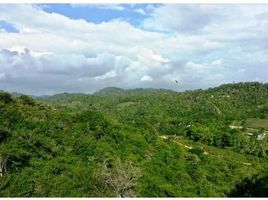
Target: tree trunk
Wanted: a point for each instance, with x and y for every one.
(2, 167)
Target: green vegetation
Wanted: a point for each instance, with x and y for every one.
(257, 123)
(139, 142)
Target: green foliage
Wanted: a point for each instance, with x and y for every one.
(256, 186)
(24, 99)
(5, 97)
(139, 142)
(4, 134)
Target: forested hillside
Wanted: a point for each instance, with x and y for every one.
(139, 142)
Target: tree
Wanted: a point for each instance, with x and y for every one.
(26, 100)
(122, 177)
(5, 97)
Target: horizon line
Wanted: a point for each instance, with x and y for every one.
(126, 89)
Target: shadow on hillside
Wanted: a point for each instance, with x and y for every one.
(253, 187)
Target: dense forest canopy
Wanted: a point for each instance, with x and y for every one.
(139, 142)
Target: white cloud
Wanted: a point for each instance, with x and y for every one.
(203, 66)
(183, 18)
(140, 11)
(146, 78)
(110, 74)
(198, 45)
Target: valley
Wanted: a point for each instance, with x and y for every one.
(136, 143)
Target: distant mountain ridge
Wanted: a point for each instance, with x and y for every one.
(115, 91)
(229, 88)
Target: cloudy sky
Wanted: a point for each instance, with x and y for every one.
(47, 49)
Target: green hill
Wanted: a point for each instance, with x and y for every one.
(109, 91)
(138, 142)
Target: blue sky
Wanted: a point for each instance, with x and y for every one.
(52, 48)
(7, 27)
(101, 13)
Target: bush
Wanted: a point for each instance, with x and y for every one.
(26, 100)
(5, 97)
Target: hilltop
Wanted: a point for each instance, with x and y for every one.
(109, 91)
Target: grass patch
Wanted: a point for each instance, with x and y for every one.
(257, 123)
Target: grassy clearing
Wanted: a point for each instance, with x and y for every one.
(257, 123)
